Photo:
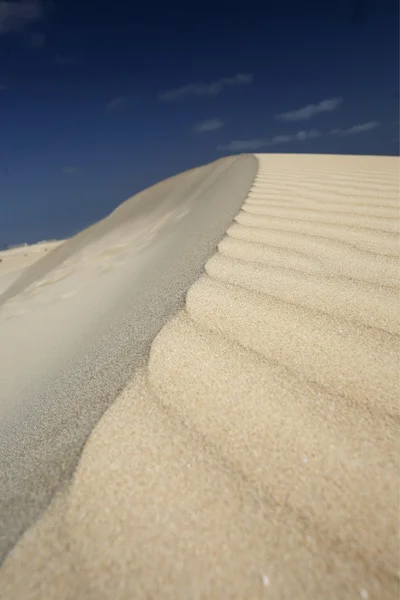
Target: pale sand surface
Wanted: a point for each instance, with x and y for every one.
(76, 325)
(14, 261)
(256, 452)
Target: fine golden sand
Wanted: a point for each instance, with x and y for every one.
(256, 455)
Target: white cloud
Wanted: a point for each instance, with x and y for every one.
(71, 170)
(208, 125)
(256, 144)
(37, 39)
(300, 136)
(356, 129)
(309, 111)
(16, 16)
(118, 103)
(206, 89)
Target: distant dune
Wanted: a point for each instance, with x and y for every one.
(200, 393)
(16, 259)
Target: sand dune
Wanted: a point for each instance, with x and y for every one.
(78, 323)
(14, 261)
(254, 451)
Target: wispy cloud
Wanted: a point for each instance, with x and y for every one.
(118, 103)
(300, 136)
(208, 125)
(256, 144)
(37, 39)
(356, 129)
(70, 170)
(16, 16)
(206, 89)
(311, 110)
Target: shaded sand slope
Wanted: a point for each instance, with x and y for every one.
(81, 320)
(13, 262)
(256, 454)
(158, 202)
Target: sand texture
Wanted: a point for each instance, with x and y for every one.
(254, 452)
(14, 261)
(76, 326)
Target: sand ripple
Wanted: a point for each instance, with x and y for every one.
(257, 453)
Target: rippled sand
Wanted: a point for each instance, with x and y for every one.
(256, 455)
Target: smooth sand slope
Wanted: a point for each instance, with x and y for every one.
(255, 452)
(76, 326)
(14, 261)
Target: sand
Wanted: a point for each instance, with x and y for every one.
(76, 326)
(14, 261)
(254, 452)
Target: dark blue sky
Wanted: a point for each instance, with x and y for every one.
(99, 100)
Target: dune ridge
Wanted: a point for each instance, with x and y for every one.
(77, 324)
(256, 454)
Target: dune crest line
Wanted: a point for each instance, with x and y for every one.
(255, 451)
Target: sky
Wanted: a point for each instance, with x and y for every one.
(100, 99)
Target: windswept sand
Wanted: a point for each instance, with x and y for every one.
(14, 261)
(77, 325)
(255, 454)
